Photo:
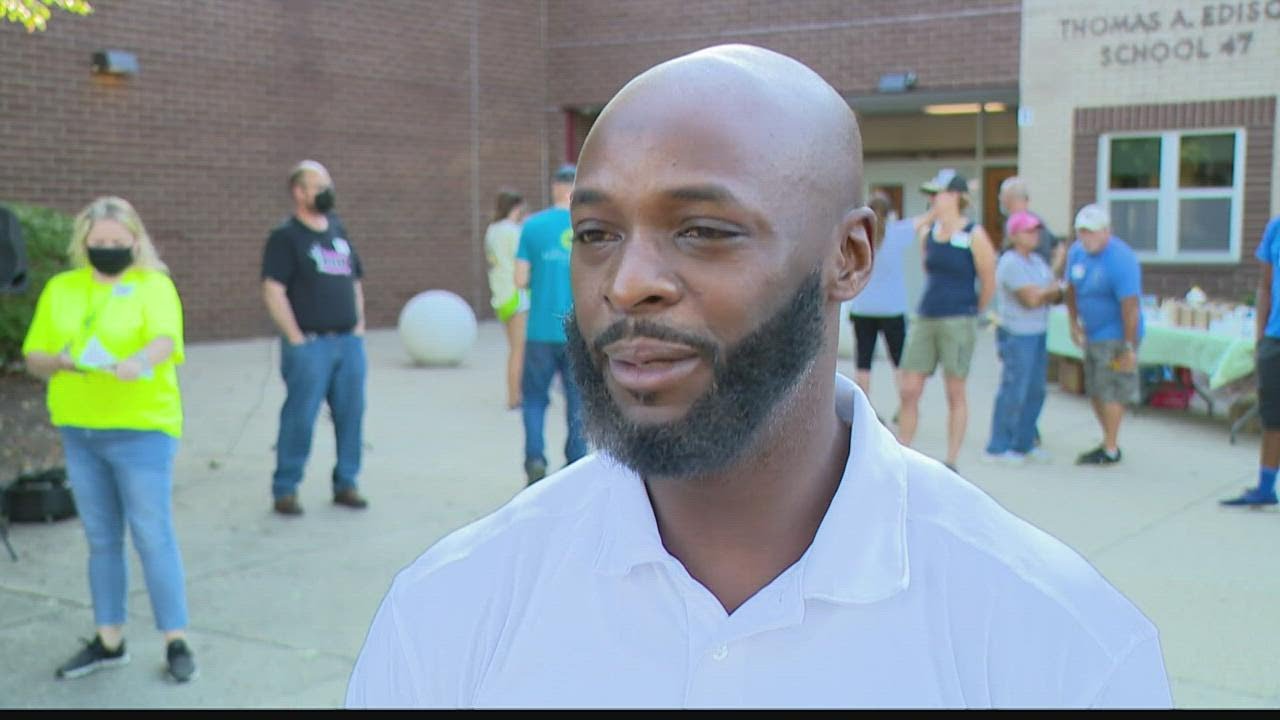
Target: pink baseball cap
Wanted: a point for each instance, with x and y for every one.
(1021, 221)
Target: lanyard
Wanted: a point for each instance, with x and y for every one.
(91, 317)
(90, 323)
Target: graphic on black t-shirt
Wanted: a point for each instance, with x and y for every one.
(332, 262)
(318, 269)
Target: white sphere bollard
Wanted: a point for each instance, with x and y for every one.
(437, 328)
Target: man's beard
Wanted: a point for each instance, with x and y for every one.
(750, 379)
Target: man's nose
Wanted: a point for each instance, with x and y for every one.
(642, 279)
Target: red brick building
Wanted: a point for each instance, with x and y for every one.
(423, 110)
(420, 111)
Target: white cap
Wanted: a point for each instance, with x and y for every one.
(1092, 217)
(947, 180)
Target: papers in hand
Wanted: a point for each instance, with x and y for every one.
(96, 356)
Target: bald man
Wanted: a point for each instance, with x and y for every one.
(748, 535)
(311, 285)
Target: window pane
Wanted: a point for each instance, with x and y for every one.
(1134, 221)
(1204, 224)
(1207, 161)
(1135, 163)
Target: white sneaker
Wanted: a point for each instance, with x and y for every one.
(1013, 458)
(991, 458)
(1039, 455)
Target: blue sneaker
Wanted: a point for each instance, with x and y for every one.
(1253, 497)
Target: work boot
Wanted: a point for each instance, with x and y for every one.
(288, 505)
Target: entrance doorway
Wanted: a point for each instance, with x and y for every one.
(894, 193)
(992, 220)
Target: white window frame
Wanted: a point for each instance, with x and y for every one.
(1168, 195)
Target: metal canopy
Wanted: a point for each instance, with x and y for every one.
(914, 101)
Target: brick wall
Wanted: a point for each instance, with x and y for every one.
(420, 112)
(1256, 116)
(594, 48)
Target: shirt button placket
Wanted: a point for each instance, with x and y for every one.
(717, 678)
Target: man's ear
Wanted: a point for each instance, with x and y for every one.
(854, 254)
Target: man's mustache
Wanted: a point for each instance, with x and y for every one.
(632, 328)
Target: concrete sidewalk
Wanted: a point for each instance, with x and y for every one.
(279, 606)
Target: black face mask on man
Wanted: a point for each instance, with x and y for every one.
(110, 261)
(323, 201)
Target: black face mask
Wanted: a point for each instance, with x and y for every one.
(110, 261)
(323, 201)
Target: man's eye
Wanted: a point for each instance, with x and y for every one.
(591, 237)
(703, 232)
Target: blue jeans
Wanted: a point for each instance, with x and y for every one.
(126, 476)
(542, 361)
(1025, 360)
(327, 368)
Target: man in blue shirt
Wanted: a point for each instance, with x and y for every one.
(1268, 368)
(542, 266)
(1102, 302)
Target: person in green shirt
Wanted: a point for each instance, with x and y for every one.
(107, 335)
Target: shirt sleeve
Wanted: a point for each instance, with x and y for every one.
(524, 248)
(1126, 275)
(1072, 259)
(357, 267)
(40, 335)
(1004, 274)
(1137, 681)
(277, 259)
(1048, 239)
(383, 676)
(162, 315)
(1265, 252)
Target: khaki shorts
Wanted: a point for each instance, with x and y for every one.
(1103, 382)
(947, 340)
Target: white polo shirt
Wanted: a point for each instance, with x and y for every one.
(918, 591)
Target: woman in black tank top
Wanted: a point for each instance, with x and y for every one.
(960, 282)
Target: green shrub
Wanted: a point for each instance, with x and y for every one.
(46, 233)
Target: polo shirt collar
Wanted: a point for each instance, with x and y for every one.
(859, 554)
(629, 537)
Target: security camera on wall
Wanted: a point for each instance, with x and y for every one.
(896, 82)
(115, 62)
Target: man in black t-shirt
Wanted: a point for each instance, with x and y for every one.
(311, 286)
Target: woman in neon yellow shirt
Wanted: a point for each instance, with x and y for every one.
(108, 337)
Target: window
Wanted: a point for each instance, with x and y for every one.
(1175, 196)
